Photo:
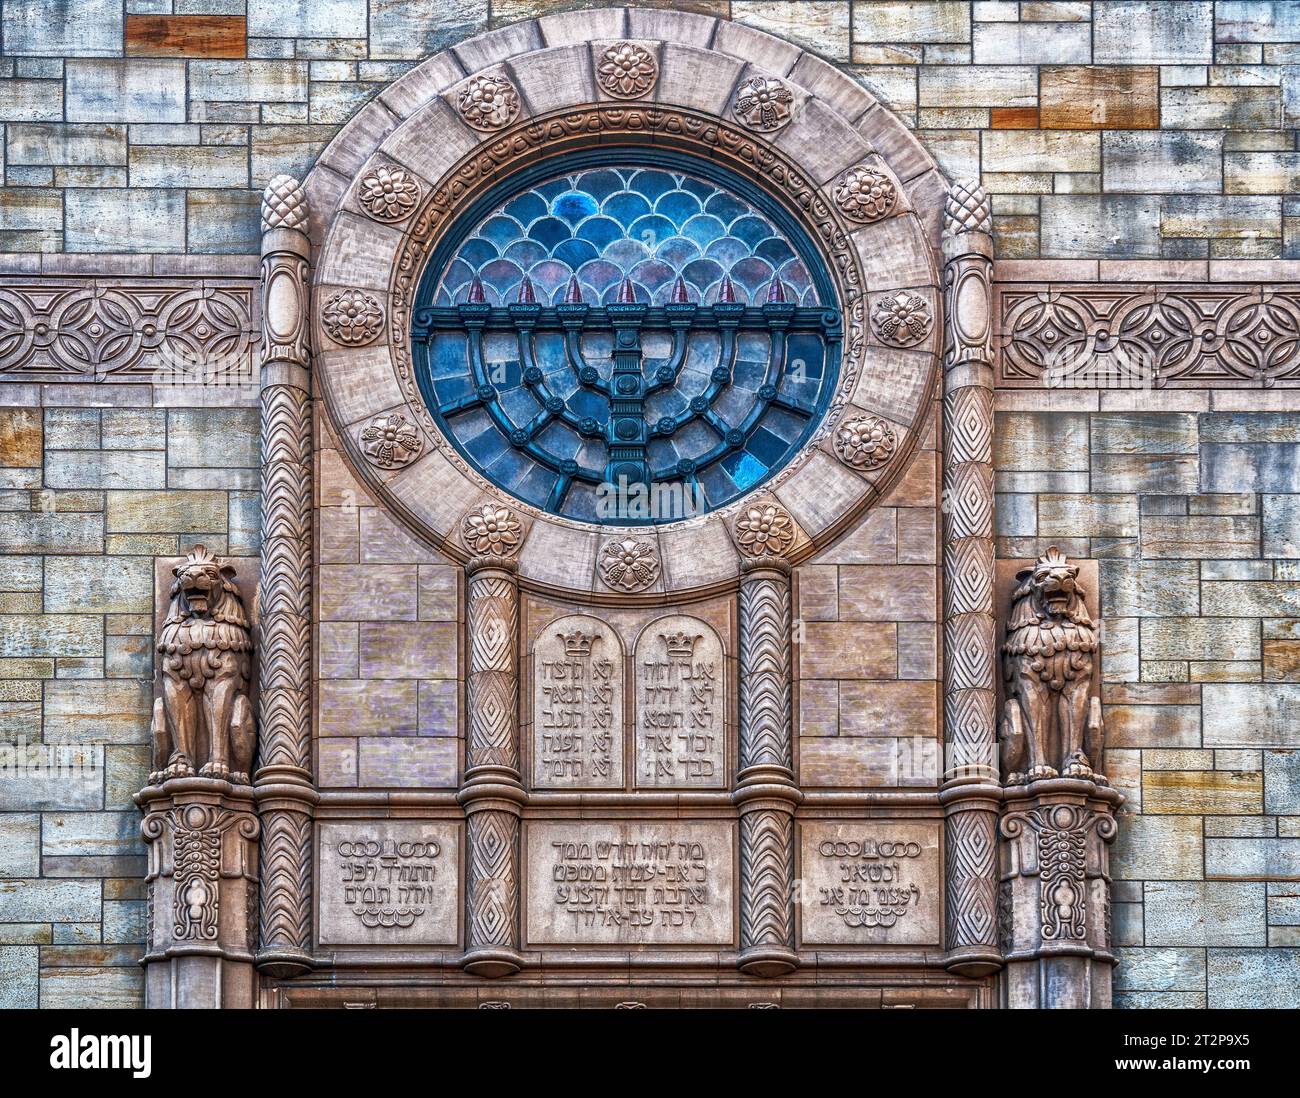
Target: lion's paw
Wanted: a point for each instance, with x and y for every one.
(238, 777)
(1077, 766)
(215, 770)
(1016, 777)
(179, 766)
(1038, 773)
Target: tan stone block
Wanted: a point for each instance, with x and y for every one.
(1281, 660)
(1202, 792)
(918, 486)
(848, 650)
(1159, 848)
(20, 437)
(339, 539)
(1040, 151)
(818, 593)
(918, 649)
(819, 707)
(887, 593)
(862, 762)
(1153, 725)
(367, 707)
(1114, 516)
(110, 711)
(873, 541)
(917, 536)
(414, 650)
(888, 708)
(166, 511)
(1200, 638)
(1087, 97)
(361, 592)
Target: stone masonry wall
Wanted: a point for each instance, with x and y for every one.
(137, 136)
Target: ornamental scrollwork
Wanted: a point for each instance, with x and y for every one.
(763, 103)
(865, 195)
(1094, 335)
(488, 102)
(630, 565)
(627, 71)
(353, 318)
(865, 442)
(388, 194)
(391, 441)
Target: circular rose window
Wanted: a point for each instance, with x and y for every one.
(627, 342)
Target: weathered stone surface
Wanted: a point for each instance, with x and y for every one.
(1202, 792)
(1252, 714)
(1235, 977)
(1159, 848)
(1087, 97)
(389, 882)
(629, 883)
(871, 882)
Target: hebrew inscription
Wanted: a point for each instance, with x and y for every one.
(577, 705)
(389, 882)
(869, 882)
(663, 883)
(680, 705)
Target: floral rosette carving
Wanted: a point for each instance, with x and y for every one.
(627, 71)
(353, 317)
(629, 565)
(763, 103)
(764, 530)
(491, 531)
(865, 442)
(488, 102)
(863, 194)
(388, 194)
(391, 441)
(901, 319)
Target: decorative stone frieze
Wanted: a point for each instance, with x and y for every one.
(283, 784)
(970, 791)
(145, 330)
(627, 70)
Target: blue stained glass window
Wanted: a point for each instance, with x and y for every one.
(588, 331)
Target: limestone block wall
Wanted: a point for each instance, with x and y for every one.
(866, 645)
(136, 139)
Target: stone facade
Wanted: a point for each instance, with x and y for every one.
(1139, 163)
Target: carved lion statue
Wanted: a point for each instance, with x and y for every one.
(204, 720)
(1051, 722)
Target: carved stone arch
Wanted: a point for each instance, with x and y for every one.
(400, 172)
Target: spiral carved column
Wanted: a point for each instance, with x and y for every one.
(766, 794)
(492, 793)
(971, 791)
(283, 785)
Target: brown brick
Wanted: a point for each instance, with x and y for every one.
(1013, 118)
(1084, 97)
(1281, 660)
(186, 35)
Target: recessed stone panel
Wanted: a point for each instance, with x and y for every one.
(871, 882)
(390, 882)
(577, 705)
(630, 883)
(680, 703)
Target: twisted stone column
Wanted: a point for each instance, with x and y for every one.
(766, 794)
(283, 784)
(492, 793)
(971, 791)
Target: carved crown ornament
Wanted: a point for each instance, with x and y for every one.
(739, 138)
